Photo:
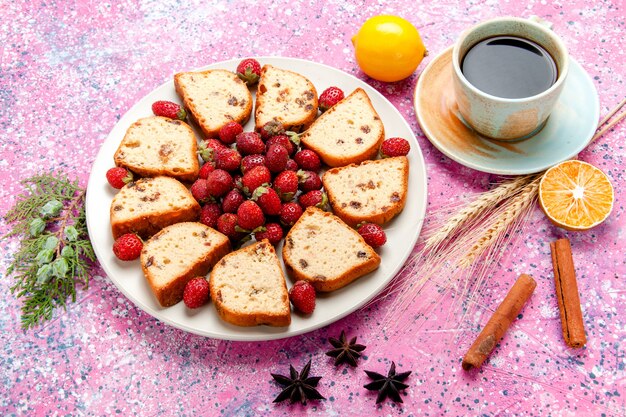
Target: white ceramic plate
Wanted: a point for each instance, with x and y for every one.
(402, 232)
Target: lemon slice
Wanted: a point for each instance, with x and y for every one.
(576, 195)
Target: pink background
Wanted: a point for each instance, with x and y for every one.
(70, 69)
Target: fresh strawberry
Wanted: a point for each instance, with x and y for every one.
(302, 296)
(219, 183)
(249, 143)
(309, 181)
(205, 170)
(250, 216)
(315, 198)
(238, 180)
(232, 200)
(249, 70)
(210, 213)
(169, 109)
(227, 159)
(291, 165)
(271, 231)
(308, 160)
(276, 158)
(330, 97)
(286, 185)
(394, 147)
(208, 149)
(290, 213)
(127, 247)
(196, 292)
(268, 200)
(227, 225)
(372, 234)
(272, 128)
(282, 140)
(250, 161)
(254, 178)
(200, 191)
(119, 177)
(228, 133)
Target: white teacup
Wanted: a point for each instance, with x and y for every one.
(508, 118)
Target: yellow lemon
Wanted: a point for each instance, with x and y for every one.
(388, 48)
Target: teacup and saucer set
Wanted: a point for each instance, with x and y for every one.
(489, 101)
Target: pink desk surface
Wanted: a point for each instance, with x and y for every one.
(70, 69)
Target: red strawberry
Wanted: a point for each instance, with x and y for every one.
(276, 158)
(302, 296)
(119, 177)
(200, 191)
(394, 147)
(250, 161)
(282, 140)
(249, 143)
(227, 224)
(309, 181)
(290, 213)
(308, 160)
(330, 97)
(238, 180)
(272, 232)
(210, 213)
(291, 165)
(228, 133)
(196, 292)
(227, 159)
(127, 247)
(205, 170)
(208, 148)
(286, 185)
(268, 200)
(232, 201)
(249, 70)
(315, 198)
(254, 178)
(250, 216)
(219, 183)
(169, 109)
(271, 128)
(372, 234)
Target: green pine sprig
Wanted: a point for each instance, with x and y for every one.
(54, 253)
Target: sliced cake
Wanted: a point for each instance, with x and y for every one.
(322, 249)
(159, 146)
(373, 191)
(248, 287)
(178, 253)
(149, 204)
(349, 132)
(214, 98)
(287, 97)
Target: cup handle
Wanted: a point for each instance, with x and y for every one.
(541, 21)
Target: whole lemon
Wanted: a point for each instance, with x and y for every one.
(388, 48)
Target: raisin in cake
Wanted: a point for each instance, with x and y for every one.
(149, 204)
(349, 132)
(373, 191)
(159, 146)
(248, 287)
(178, 253)
(214, 98)
(322, 249)
(285, 96)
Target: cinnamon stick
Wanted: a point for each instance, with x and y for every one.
(499, 322)
(567, 294)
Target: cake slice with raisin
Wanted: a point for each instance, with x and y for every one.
(322, 249)
(214, 98)
(287, 97)
(349, 132)
(373, 191)
(248, 287)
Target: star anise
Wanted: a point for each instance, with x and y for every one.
(345, 351)
(387, 386)
(298, 387)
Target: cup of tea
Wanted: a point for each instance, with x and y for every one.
(508, 74)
